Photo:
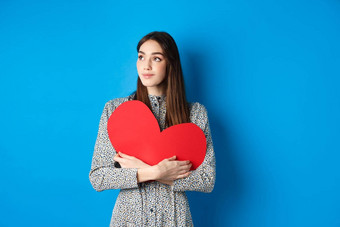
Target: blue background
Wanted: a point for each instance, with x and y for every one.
(267, 71)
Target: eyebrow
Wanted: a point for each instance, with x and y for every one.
(153, 53)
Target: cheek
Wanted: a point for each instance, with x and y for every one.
(162, 69)
(138, 65)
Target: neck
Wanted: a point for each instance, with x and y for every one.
(157, 91)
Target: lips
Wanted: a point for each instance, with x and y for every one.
(148, 75)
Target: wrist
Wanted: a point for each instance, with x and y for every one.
(144, 165)
(157, 172)
(147, 174)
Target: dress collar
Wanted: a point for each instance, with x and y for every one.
(159, 98)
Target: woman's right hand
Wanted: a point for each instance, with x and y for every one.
(170, 169)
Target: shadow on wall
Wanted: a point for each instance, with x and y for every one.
(216, 208)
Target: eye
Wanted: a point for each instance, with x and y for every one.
(157, 59)
(140, 57)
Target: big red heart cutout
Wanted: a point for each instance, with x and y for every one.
(134, 130)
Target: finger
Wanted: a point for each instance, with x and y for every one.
(183, 175)
(181, 172)
(172, 158)
(124, 155)
(188, 167)
(185, 167)
(118, 159)
(184, 162)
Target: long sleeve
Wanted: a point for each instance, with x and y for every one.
(203, 178)
(104, 175)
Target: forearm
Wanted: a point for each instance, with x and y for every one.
(146, 174)
(105, 178)
(158, 173)
(199, 180)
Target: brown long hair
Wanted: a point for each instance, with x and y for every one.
(177, 110)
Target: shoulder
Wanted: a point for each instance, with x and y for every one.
(112, 104)
(198, 114)
(196, 108)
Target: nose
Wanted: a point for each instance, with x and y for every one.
(147, 65)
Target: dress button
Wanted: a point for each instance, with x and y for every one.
(155, 104)
(151, 210)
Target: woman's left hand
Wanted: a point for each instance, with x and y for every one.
(127, 161)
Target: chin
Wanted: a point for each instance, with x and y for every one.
(149, 83)
(150, 86)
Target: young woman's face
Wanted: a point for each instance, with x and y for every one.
(151, 67)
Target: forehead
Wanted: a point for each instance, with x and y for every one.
(150, 46)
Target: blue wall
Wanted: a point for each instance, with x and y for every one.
(267, 71)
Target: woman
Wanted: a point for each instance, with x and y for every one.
(154, 195)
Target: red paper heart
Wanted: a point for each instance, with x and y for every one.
(134, 130)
